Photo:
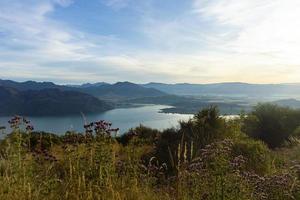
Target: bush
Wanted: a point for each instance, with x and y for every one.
(141, 134)
(256, 154)
(207, 126)
(272, 124)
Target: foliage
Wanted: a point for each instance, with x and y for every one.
(272, 124)
(257, 154)
(140, 134)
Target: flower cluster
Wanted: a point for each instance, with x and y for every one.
(29, 128)
(211, 155)
(43, 155)
(238, 163)
(17, 121)
(100, 128)
(218, 160)
(268, 187)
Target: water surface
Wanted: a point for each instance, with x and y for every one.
(123, 118)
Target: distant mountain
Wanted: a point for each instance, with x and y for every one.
(191, 105)
(48, 102)
(121, 90)
(163, 100)
(292, 103)
(234, 88)
(87, 85)
(29, 85)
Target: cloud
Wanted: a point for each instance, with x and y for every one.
(64, 3)
(31, 40)
(27, 25)
(205, 41)
(269, 27)
(116, 4)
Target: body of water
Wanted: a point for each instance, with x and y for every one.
(123, 118)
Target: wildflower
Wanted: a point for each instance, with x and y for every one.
(101, 128)
(29, 128)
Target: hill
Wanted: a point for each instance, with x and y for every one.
(292, 103)
(120, 90)
(86, 85)
(29, 85)
(48, 102)
(234, 88)
(190, 105)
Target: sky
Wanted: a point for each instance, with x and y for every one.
(171, 41)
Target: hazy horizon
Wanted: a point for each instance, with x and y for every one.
(141, 83)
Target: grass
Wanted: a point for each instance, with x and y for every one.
(96, 170)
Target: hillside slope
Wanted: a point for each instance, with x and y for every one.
(48, 102)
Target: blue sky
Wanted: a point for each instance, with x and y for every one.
(196, 41)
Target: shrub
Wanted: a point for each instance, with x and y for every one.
(256, 154)
(272, 124)
(141, 134)
(207, 126)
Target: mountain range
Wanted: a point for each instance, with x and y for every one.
(47, 98)
(234, 88)
(119, 90)
(132, 90)
(29, 85)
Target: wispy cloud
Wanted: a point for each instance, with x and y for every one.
(116, 4)
(268, 27)
(32, 41)
(199, 41)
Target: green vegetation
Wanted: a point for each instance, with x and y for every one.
(208, 157)
(272, 124)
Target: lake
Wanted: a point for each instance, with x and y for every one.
(123, 118)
